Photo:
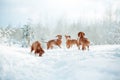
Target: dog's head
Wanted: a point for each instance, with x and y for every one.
(40, 50)
(59, 36)
(81, 34)
(67, 37)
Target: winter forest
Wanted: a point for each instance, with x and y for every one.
(103, 29)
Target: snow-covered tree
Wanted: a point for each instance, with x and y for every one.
(6, 34)
(27, 35)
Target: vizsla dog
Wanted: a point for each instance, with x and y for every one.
(70, 42)
(83, 41)
(56, 42)
(36, 46)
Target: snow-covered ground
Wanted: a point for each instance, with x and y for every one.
(101, 62)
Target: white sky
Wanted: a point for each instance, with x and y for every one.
(16, 12)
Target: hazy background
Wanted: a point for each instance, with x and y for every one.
(17, 12)
(44, 19)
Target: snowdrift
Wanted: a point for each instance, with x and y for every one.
(101, 62)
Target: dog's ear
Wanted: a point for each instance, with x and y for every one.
(83, 34)
(79, 34)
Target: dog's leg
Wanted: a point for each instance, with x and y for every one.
(31, 49)
(59, 46)
(47, 47)
(88, 47)
(78, 47)
(83, 47)
(51, 47)
(68, 46)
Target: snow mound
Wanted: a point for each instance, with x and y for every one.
(101, 62)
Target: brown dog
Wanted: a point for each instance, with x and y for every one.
(56, 42)
(70, 42)
(36, 46)
(83, 41)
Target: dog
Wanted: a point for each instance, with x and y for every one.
(83, 41)
(70, 42)
(36, 46)
(56, 42)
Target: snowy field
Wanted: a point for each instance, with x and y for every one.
(99, 63)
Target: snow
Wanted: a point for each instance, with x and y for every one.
(101, 62)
